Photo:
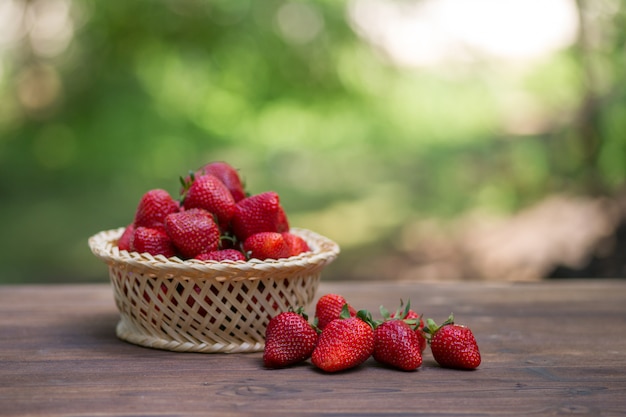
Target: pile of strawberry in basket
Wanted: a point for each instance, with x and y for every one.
(212, 219)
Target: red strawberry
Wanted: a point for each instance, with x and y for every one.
(227, 175)
(418, 327)
(209, 193)
(258, 213)
(397, 345)
(296, 244)
(289, 339)
(414, 320)
(193, 232)
(123, 243)
(329, 307)
(453, 345)
(152, 241)
(154, 207)
(282, 223)
(266, 245)
(345, 343)
(222, 255)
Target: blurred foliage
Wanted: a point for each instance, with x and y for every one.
(287, 92)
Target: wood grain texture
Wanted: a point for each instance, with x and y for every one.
(549, 348)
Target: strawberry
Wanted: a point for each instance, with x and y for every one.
(123, 243)
(296, 244)
(193, 232)
(418, 328)
(396, 345)
(222, 255)
(209, 193)
(414, 320)
(258, 213)
(282, 222)
(266, 245)
(227, 175)
(345, 343)
(153, 207)
(152, 241)
(289, 339)
(453, 345)
(329, 307)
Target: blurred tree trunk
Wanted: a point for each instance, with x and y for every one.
(596, 36)
(587, 120)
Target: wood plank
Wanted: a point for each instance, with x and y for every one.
(543, 353)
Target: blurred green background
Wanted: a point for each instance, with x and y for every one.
(379, 122)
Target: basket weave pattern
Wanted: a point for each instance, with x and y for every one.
(194, 306)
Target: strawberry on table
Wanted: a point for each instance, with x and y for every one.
(418, 328)
(289, 339)
(396, 344)
(266, 245)
(193, 232)
(329, 308)
(153, 241)
(414, 320)
(453, 345)
(258, 213)
(209, 193)
(345, 343)
(154, 206)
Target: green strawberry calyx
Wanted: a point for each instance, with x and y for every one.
(299, 311)
(401, 313)
(364, 315)
(229, 237)
(431, 327)
(186, 183)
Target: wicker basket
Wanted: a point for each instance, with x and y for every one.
(195, 306)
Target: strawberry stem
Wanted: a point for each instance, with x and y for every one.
(315, 325)
(227, 236)
(186, 184)
(384, 313)
(407, 308)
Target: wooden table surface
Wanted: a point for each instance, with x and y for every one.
(549, 348)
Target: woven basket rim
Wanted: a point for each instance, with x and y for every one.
(323, 251)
